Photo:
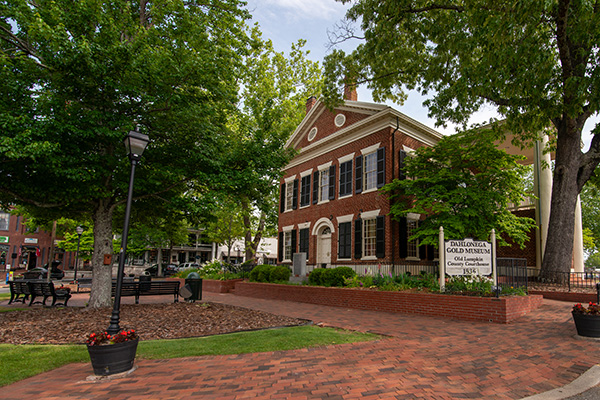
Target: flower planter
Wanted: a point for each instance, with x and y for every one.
(113, 358)
(587, 325)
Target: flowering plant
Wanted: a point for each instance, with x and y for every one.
(592, 309)
(103, 338)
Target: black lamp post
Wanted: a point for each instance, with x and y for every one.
(135, 143)
(79, 231)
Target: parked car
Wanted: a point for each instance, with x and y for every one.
(167, 269)
(42, 273)
(187, 265)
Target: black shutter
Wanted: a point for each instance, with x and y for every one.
(280, 247)
(403, 238)
(345, 240)
(293, 243)
(305, 191)
(358, 173)
(380, 167)
(342, 180)
(295, 195)
(282, 202)
(315, 187)
(380, 237)
(358, 239)
(401, 157)
(430, 251)
(423, 252)
(304, 241)
(332, 182)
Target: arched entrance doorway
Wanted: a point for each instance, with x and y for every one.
(324, 247)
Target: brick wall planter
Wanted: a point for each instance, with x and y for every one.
(572, 297)
(215, 286)
(502, 310)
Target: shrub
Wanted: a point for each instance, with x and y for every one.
(279, 273)
(337, 276)
(270, 273)
(316, 276)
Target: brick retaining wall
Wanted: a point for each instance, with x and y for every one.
(502, 310)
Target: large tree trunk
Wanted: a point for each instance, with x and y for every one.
(566, 186)
(102, 274)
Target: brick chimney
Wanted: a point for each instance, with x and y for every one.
(312, 100)
(350, 92)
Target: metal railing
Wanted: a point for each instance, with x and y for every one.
(376, 269)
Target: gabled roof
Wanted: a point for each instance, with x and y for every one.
(377, 117)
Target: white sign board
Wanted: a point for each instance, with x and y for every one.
(30, 240)
(468, 257)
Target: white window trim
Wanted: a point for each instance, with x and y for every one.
(370, 214)
(290, 179)
(304, 225)
(414, 217)
(288, 232)
(325, 166)
(287, 228)
(346, 158)
(305, 173)
(370, 149)
(344, 218)
(369, 190)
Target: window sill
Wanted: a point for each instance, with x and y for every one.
(369, 190)
(345, 259)
(412, 259)
(369, 258)
(345, 196)
(306, 206)
(323, 202)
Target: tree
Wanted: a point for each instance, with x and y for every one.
(590, 216)
(227, 225)
(75, 77)
(465, 184)
(538, 62)
(274, 90)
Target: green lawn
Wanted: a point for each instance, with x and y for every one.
(22, 361)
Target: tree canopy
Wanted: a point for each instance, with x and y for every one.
(465, 184)
(76, 77)
(537, 62)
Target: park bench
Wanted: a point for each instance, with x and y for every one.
(45, 289)
(148, 288)
(83, 283)
(18, 288)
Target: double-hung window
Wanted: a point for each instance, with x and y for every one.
(369, 169)
(325, 188)
(4, 220)
(369, 237)
(289, 194)
(287, 244)
(412, 246)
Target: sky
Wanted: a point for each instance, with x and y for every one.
(287, 21)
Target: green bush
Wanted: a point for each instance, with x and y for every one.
(279, 273)
(270, 273)
(330, 276)
(316, 276)
(337, 276)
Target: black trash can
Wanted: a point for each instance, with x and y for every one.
(192, 290)
(145, 283)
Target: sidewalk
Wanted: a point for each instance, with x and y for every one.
(423, 358)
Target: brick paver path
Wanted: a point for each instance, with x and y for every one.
(424, 358)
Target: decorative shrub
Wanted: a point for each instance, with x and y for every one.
(337, 276)
(316, 276)
(270, 273)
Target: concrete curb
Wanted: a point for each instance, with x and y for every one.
(587, 380)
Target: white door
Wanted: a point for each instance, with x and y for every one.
(324, 248)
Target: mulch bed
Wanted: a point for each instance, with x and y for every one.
(72, 325)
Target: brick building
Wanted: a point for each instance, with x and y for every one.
(330, 206)
(21, 247)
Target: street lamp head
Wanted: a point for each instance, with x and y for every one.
(136, 143)
(79, 230)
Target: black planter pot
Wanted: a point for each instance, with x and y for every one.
(113, 358)
(587, 325)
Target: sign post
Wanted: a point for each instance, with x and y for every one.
(441, 264)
